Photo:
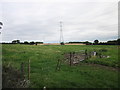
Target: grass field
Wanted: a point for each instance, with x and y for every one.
(92, 73)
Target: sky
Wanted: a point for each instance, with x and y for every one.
(39, 20)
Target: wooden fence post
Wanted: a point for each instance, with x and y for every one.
(58, 65)
(70, 59)
(73, 57)
(73, 54)
(22, 69)
(89, 54)
(86, 56)
(100, 55)
(28, 69)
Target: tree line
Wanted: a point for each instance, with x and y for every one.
(97, 42)
(110, 42)
(25, 42)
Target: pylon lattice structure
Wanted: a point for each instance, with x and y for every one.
(61, 34)
(1, 24)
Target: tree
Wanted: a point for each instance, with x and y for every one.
(62, 43)
(26, 42)
(39, 42)
(87, 43)
(15, 41)
(18, 41)
(96, 42)
(118, 41)
(32, 43)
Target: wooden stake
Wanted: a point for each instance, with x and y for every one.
(86, 56)
(89, 54)
(73, 54)
(28, 69)
(70, 59)
(57, 65)
(22, 68)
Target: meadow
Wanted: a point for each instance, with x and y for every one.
(92, 73)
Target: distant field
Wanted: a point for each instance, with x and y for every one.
(92, 73)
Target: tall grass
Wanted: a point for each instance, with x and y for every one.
(44, 61)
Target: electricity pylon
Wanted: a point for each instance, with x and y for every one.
(61, 34)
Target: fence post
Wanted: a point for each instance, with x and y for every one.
(73, 57)
(58, 65)
(70, 59)
(89, 54)
(86, 57)
(22, 68)
(100, 55)
(28, 69)
(73, 54)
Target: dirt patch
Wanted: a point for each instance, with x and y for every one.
(102, 66)
(74, 58)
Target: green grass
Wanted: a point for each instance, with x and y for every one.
(43, 61)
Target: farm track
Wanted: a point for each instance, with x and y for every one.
(103, 66)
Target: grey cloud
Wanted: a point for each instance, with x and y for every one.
(40, 21)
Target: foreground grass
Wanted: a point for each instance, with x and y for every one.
(43, 64)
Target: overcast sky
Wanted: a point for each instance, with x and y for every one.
(39, 21)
